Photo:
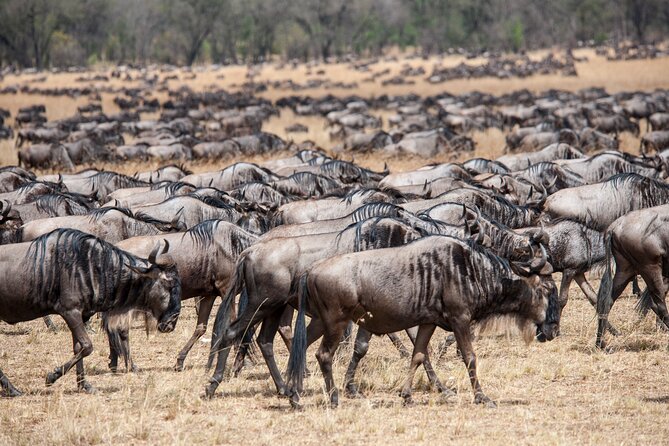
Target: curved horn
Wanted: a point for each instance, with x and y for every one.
(538, 264)
(5, 207)
(154, 254)
(551, 184)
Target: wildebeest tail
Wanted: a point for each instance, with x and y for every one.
(604, 300)
(297, 362)
(222, 321)
(644, 304)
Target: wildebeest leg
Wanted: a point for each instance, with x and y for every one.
(636, 289)
(286, 326)
(657, 287)
(624, 274)
(49, 324)
(82, 384)
(397, 342)
(205, 305)
(270, 325)
(427, 365)
(82, 348)
(448, 340)
(592, 298)
(334, 332)
(463, 337)
(359, 351)
(419, 355)
(244, 350)
(7, 388)
(563, 295)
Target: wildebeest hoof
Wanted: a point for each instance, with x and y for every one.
(179, 366)
(51, 378)
(352, 391)
(295, 402)
(447, 392)
(482, 399)
(10, 392)
(210, 390)
(87, 388)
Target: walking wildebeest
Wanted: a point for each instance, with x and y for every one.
(268, 273)
(76, 275)
(205, 258)
(638, 242)
(437, 281)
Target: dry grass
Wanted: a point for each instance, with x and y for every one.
(563, 392)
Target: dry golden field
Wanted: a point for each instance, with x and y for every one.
(562, 392)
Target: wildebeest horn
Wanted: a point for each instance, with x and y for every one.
(551, 184)
(502, 184)
(385, 168)
(541, 201)
(154, 254)
(158, 252)
(538, 264)
(5, 206)
(164, 259)
(175, 223)
(541, 236)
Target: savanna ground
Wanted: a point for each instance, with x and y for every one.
(562, 392)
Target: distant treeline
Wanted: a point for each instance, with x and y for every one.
(43, 33)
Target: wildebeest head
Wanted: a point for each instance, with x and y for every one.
(8, 215)
(163, 296)
(541, 305)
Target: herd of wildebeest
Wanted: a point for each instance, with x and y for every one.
(451, 245)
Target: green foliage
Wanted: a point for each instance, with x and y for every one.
(516, 35)
(70, 32)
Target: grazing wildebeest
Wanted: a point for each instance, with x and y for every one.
(268, 274)
(76, 275)
(433, 282)
(638, 242)
(205, 258)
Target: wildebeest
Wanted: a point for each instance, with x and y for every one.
(655, 141)
(638, 243)
(110, 224)
(433, 282)
(205, 258)
(75, 275)
(268, 273)
(598, 205)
